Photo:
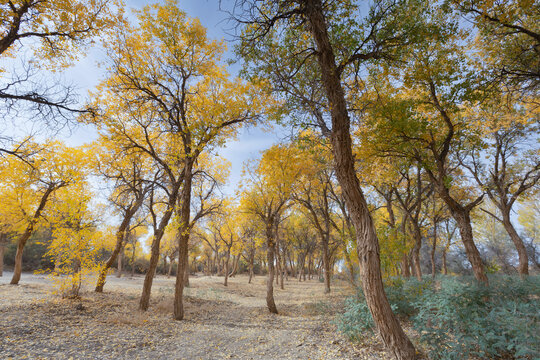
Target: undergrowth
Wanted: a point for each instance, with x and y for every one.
(458, 318)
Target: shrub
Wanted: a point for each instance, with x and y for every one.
(401, 294)
(458, 318)
(465, 319)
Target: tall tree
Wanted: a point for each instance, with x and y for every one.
(177, 101)
(267, 194)
(314, 38)
(28, 188)
(507, 128)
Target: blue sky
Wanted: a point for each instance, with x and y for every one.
(86, 75)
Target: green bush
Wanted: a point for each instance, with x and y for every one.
(465, 319)
(401, 294)
(457, 318)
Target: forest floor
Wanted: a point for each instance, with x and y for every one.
(220, 322)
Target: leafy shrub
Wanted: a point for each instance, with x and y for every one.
(401, 294)
(458, 318)
(356, 319)
(465, 319)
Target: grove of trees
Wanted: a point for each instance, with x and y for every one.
(413, 145)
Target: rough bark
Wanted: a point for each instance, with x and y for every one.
(154, 251)
(2, 247)
(433, 248)
(416, 251)
(463, 221)
(386, 322)
(183, 241)
(227, 257)
(271, 245)
(523, 267)
(120, 263)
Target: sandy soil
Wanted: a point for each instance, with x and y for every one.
(221, 322)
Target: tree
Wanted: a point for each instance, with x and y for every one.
(76, 241)
(508, 40)
(225, 225)
(321, 43)
(28, 187)
(167, 67)
(508, 128)
(56, 32)
(266, 194)
(131, 184)
(425, 121)
(313, 193)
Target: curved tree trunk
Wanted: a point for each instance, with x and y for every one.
(523, 267)
(118, 248)
(235, 265)
(386, 322)
(463, 221)
(154, 252)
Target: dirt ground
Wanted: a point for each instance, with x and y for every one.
(220, 323)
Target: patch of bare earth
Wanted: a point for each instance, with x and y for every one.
(220, 323)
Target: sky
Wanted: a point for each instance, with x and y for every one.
(86, 75)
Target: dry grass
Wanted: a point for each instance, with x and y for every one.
(220, 322)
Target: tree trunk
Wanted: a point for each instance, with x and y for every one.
(227, 257)
(133, 262)
(120, 264)
(444, 268)
(326, 264)
(122, 237)
(416, 251)
(523, 267)
(17, 270)
(291, 264)
(433, 248)
(278, 261)
(186, 273)
(405, 268)
(183, 240)
(270, 242)
(310, 266)
(463, 221)
(154, 252)
(169, 271)
(2, 247)
(387, 324)
(251, 259)
(235, 265)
